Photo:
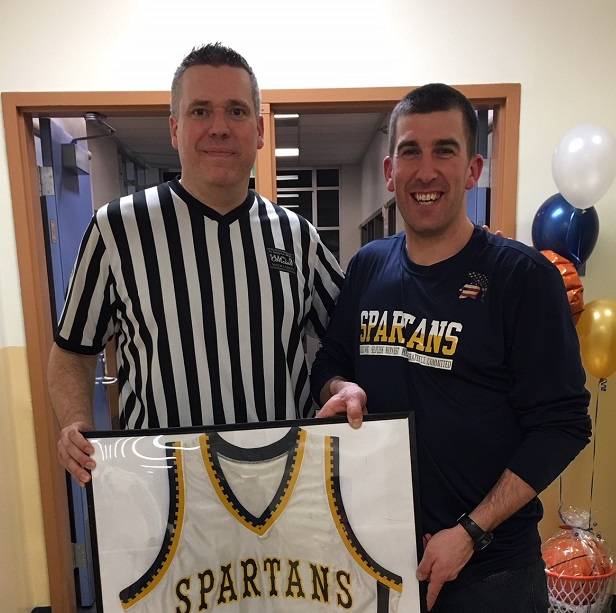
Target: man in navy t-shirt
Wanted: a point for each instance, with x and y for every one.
(472, 332)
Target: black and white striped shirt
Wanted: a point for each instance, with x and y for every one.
(209, 310)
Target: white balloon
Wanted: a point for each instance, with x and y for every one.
(584, 164)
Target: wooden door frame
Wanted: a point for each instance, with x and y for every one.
(18, 110)
(504, 98)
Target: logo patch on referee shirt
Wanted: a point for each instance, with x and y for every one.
(281, 260)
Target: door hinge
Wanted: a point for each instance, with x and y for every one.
(46, 187)
(53, 231)
(79, 555)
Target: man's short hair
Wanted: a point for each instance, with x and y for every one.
(430, 99)
(212, 54)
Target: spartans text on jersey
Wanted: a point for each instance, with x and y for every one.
(429, 342)
(267, 578)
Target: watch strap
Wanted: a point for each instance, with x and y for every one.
(481, 538)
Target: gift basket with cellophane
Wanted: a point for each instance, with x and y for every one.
(579, 566)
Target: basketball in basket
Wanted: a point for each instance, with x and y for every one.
(578, 567)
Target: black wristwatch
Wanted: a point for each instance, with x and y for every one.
(481, 538)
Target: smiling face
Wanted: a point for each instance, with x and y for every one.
(217, 131)
(430, 172)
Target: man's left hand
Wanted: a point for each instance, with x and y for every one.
(343, 398)
(445, 555)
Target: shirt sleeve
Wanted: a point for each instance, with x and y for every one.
(86, 323)
(327, 281)
(547, 386)
(336, 355)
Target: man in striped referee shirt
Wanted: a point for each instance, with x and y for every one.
(208, 288)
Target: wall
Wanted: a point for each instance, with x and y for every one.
(104, 170)
(561, 52)
(374, 194)
(576, 486)
(350, 212)
(23, 574)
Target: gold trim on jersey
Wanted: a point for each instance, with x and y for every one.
(175, 539)
(278, 505)
(349, 539)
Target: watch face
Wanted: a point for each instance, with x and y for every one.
(484, 541)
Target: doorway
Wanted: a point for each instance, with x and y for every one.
(18, 111)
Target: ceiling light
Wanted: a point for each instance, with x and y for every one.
(290, 206)
(289, 152)
(279, 195)
(287, 177)
(286, 116)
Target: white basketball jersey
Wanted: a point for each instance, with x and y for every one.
(230, 547)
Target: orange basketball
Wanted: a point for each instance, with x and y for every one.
(576, 553)
(575, 560)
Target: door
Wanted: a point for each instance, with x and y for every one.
(478, 198)
(66, 203)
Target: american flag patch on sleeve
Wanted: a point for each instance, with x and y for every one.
(475, 287)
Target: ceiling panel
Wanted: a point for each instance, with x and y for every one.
(323, 139)
(336, 139)
(147, 138)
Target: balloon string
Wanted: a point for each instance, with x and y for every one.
(600, 387)
(579, 246)
(560, 498)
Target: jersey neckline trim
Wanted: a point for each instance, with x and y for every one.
(227, 218)
(292, 444)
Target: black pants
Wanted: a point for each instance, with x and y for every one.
(522, 590)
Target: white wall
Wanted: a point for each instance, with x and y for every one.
(11, 318)
(561, 53)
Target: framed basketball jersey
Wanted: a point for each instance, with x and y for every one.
(285, 517)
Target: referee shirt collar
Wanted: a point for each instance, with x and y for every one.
(228, 218)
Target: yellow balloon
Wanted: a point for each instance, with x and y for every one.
(597, 333)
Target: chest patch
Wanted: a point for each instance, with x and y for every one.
(279, 259)
(475, 288)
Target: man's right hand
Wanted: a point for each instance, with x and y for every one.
(343, 398)
(445, 555)
(74, 451)
(70, 380)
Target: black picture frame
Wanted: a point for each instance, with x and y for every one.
(376, 482)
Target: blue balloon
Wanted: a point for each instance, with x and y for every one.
(568, 231)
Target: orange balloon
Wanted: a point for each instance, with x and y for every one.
(597, 333)
(572, 281)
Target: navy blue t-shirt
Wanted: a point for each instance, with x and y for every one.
(482, 348)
